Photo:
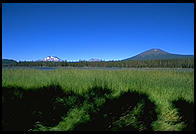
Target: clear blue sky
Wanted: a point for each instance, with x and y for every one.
(108, 31)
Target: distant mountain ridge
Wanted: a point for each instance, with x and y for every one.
(151, 54)
(158, 54)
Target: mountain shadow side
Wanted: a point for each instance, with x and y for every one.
(22, 108)
(129, 112)
(186, 112)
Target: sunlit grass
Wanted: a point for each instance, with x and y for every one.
(161, 86)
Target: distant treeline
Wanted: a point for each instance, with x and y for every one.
(170, 63)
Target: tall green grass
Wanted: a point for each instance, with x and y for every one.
(161, 86)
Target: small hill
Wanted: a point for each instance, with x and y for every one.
(6, 62)
(158, 54)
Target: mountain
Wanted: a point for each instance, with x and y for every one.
(52, 58)
(158, 54)
(94, 60)
(6, 62)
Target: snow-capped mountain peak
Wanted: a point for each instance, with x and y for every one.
(94, 60)
(52, 58)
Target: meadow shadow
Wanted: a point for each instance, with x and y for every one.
(186, 112)
(22, 108)
(114, 109)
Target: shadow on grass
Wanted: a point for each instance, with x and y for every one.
(117, 113)
(21, 108)
(186, 112)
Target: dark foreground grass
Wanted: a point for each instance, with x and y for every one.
(186, 112)
(23, 109)
(120, 114)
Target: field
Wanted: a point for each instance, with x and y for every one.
(88, 100)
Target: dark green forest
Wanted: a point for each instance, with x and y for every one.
(163, 63)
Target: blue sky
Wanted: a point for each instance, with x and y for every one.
(108, 31)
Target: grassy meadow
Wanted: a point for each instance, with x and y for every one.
(82, 100)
